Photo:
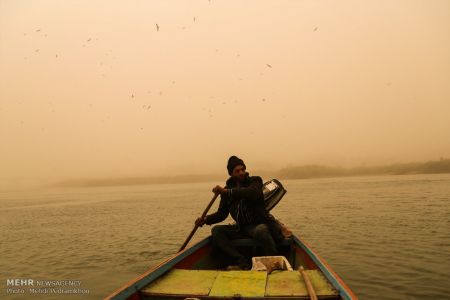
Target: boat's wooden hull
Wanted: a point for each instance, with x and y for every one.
(200, 257)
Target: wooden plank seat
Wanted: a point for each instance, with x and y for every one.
(291, 283)
(215, 283)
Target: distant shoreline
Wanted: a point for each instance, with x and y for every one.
(294, 172)
(317, 171)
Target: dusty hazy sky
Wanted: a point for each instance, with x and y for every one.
(92, 89)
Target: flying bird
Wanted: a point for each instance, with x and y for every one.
(89, 39)
(269, 65)
(37, 30)
(194, 19)
(157, 27)
(315, 29)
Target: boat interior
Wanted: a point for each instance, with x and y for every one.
(203, 274)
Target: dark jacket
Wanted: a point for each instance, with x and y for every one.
(244, 203)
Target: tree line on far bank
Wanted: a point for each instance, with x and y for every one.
(295, 172)
(316, 171)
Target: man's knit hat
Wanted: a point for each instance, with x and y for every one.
(234, 161)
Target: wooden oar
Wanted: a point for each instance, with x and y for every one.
(309, 287)
(196, 226)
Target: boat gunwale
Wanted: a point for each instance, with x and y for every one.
(136, 284)
(344, 291)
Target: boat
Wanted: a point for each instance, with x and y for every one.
(199, 272)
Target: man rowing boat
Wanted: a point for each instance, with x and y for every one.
(242, 197)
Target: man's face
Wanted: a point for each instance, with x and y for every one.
(239, 172)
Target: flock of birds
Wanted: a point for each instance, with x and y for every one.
(158, 28)
(209, 110)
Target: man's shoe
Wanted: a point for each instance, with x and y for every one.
(243, 264)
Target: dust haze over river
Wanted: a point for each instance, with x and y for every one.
(153, 88)
(103, 91)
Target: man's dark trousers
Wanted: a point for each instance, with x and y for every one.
(223, 234)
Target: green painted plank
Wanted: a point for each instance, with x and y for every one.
(320, 283)
(285, 283)
(183, 282)
(244, 283)
(291, 283)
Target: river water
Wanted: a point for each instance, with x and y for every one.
(388, 237)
